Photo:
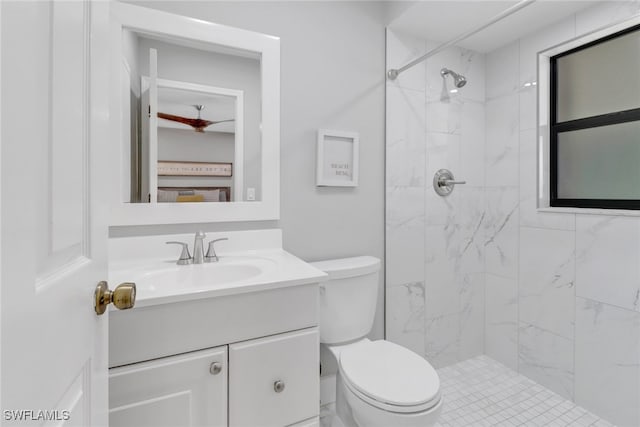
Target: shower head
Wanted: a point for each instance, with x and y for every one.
(458, 79)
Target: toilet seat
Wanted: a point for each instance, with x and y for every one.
(389, 376)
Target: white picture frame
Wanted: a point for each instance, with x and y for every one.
(337, 158)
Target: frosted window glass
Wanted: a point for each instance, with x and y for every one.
(600, 163)
(600, 79)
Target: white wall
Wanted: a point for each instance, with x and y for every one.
(332, 65)
(562, 303)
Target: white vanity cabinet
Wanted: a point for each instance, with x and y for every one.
(200, 349)
(185, 390)
(270, 381)
(274, 380)
(265, 345)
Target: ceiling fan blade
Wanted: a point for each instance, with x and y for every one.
(197, 124)
(221, 121)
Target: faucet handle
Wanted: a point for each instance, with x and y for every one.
(211, 252)
(185, 256)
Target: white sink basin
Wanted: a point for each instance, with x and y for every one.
(196, 276)
(167, 278)
(160, 280)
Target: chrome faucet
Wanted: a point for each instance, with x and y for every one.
(198, 248)
(185, 256)
(211, 252)
(198, 251)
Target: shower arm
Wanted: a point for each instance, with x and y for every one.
(393, 73)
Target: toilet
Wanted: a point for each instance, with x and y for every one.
(378, 383)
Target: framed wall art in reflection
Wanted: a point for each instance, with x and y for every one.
(337, 158)
(170, 168)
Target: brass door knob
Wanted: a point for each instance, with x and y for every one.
(123, 296)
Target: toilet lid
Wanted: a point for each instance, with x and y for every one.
(389, 373)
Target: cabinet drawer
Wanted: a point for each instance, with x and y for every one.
(290, 360)
(173, 391)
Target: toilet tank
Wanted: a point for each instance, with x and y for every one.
(348, 298)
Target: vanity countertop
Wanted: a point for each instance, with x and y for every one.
(162, 281)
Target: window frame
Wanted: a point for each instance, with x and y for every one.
(555, 128)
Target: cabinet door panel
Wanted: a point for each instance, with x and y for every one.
(256, 366)
(178, 390)
(312, 422)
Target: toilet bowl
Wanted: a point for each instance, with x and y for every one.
(378, 383)
(385, 384)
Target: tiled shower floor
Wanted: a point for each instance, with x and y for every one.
(482, 392)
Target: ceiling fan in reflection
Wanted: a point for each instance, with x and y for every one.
(198, 124)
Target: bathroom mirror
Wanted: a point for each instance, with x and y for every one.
(195, 120)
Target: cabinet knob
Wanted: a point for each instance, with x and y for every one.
(278, 386)
(215, 368)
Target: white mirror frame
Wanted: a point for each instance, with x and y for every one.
(150, 21)
(544, 119)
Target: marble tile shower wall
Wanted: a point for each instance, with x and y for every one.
(435, 245)
(554, 296)
(562, 291)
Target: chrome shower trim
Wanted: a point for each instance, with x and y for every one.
(393, 73)
(458, 79)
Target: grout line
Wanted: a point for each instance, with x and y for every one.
(540, 227)
(485, 202)
(519, 219)
(425, 147)
(575, 270)
(385, 277)
(575, 302)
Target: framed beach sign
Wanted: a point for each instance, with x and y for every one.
(337, 158)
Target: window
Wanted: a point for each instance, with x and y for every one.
(595, 124)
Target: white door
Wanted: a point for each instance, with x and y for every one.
(153, 126)
(54, 120)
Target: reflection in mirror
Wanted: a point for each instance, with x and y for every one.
(199, 151)
(192, 121)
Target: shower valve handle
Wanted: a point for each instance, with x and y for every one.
(450, 182)
(444, 182)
